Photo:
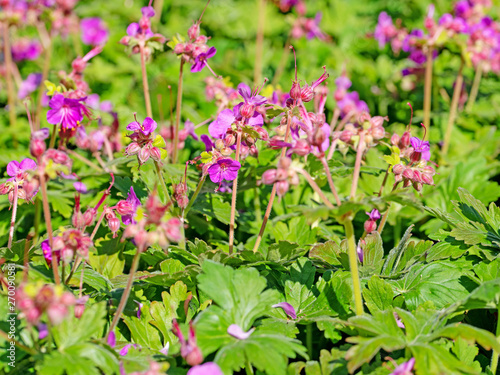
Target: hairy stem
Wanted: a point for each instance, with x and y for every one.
(259, 41)
(453, 109)
(384, 181)
(475, 87)
(195, 195)
(316, 188)
(13, 220)
(273, 191)
(145, 84)
(177, 115)
(11, 95)
(162, 181)
(330, 180)
(84, 160)
(48, 223)
(357, 165)
(428, 90)
(126, 291)
(353, 265)
(233, 198)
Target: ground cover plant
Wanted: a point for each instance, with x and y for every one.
(259, 187)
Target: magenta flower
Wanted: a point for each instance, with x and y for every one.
(139, 309)
(287, 308)
(111, 339)
(385, 29)
(359, 252)
(29, 85)
(421, 147)
(189, 128)
(65, 111)
(250, 97)
(16, 170)
(80, 187)
(201, 60)
(209, 368)
(224, 169)
(148, 126)
(374, 214)
(94, 31)
(227, 117)
(43, 331)
(47, 252)
(26, 50)
(405, 368)
(237, 332)
(134, 203)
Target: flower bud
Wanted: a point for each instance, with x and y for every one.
(132, 149)
(226, 151)
(155, 153)
(418, 186)
(408, 174)
(405, 140)
(280, 130)
(377, 121)
(307, 94)
(124, 208)
(289, 103)
(144, 155)
(78, 65)
(378, 132)
(370, 226)
(194, 31)
(295, 91)
(407, 183)
(398, 169)
(179, 48)
(427, 179)
(125, 40)
(114, 225)
(262, 133)
(395, 139)
(269, 176)
(282, 187)
(145, 23)
(31, 188)
(247, 110)
(37, 147)
(89, 216)
(56, 313)
(417, 176)
(345, 136)
(319, 136)
(220, 144)
(229, 140)
(79, 310)
(194, 358)
(301, 147)
(339, 94)
(77, 220)
(253, 151)
(284, 163)
(415, 157)
(281, 174)
(173, 230)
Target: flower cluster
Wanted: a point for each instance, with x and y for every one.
(21, 181)
(33, 300)
(348, 103)
(366, 129)
(221, 92)
(283, 176)
(144, 144)
(189, 350)
(64, 247)
(371, 224)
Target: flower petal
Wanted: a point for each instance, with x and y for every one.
(27, 164)
(13, 168)
(287, 308)
(236, 331)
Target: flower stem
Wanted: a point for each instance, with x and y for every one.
(233, 198)
(194, 196)
(259, 41)
(357, 165)
(36, 224)
(84, 160)
(453, 109)
(495, 354)
(48, 46)
(11, 95)
(6, 337)
(330, 180)
(126, 291)
(273, 191)
(145, 84)
(248, 367)
(162, 181)
(353, 265)
(46, 211)
(13, 220)
(475, 87)
(316, 188)
(428, 90)
(386, 213)
(384, 181)
(73, 269)
(177, 115)
(53, 136)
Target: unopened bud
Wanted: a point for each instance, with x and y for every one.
(145, 23)
(269, 176)
(295, 91)
(132, 149)
(339, 94)
(143, 155)
(408, 174)
(220, 144)
(395, 139)
(370, 226)
(284, 163)
(194, 31)
(378, 132)
(247, 110)
(229, 140)
(124, 208)
(280, 130)
(78, 65)
(37, 147)
(89, 216)
(307, 94)
(77, 220)
(301, 147)
(345, 136)
(194, 358)
(262, 133)
(418, 186)
(79, 310)
(226, 151)
(405, 140)
(155, 153)
(114, 224)
(398, 169)
(427, 179)
(282, 187)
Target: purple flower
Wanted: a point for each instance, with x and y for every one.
(16, 169)
(29, 85)
(287, 308)
(134, 202)
(404, 368)
(189, 127)
(209, 145)
(148, 11)
(148, 126)
(201, 60)
(236, 331)
(94, 31)
(398, 320)
(112, 339)
(80, 187)
(384, 30)
(26, 50)
(359, 251)
(43, 331)
(47, 251)
(65, 111)
(421, 147)
(227, 117)
(374, 214)
(249, 97)
(209, 368)
(133, 29)
(224, 169)
(139, 309)
(165, 349)
(312, 28)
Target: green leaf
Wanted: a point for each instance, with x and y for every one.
(212, 205)
(142, 332)
(379, 295)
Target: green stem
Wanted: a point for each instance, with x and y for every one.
(353, 265)
(495, 354)
(316, 188)
(453, 109)
(428, 90)
(126, 291)
(48, 46)
(145, 84)
(248, 368)
(256, 202)
(177, 115)
(475, 87)
(195, 195)
(233, 198)
(309, 339)
(330, 180)
(162, 181)
(357, 165)
(53, 136)
(38, 213)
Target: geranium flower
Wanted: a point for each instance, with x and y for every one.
(201, 60)
(134, 203)
(287, 308)
(29, 85)
(65, 111)
(209, 368)
(373, 214)
(405, 368)
(94, 31)
(148, 126)
(421, 147)
(224, 169)
(237, 332)
(16, 170)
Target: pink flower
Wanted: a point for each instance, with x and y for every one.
(224, 169)
(209, 368)
(201, 60)
(94, 31)
(287, 308)
(64, 111)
